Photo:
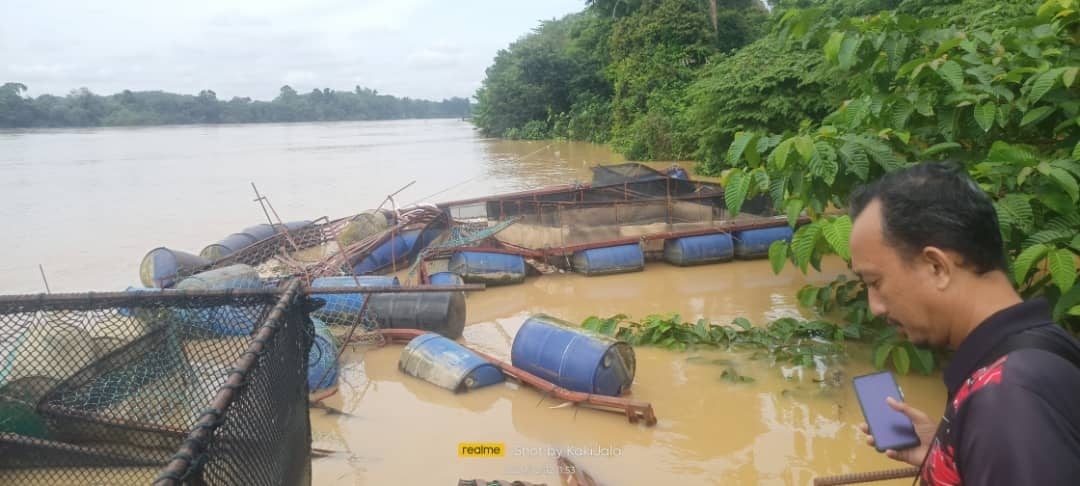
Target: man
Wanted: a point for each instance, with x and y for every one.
(925, 241)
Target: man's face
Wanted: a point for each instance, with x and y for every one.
(900, 290)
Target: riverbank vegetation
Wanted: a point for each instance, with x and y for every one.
(805, 101)
(82, 108)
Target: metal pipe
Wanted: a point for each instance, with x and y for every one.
(106, 299)
(867, 477)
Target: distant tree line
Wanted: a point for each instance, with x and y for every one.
(82, 108)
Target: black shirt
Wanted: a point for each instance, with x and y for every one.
(1015, 421)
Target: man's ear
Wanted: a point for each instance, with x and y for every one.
(940, 264)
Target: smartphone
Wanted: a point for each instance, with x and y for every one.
(890, 429)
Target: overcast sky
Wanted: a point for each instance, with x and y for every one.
(417, 48)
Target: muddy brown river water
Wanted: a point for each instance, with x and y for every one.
(88, 204)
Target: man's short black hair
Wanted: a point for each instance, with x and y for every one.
(936, 204)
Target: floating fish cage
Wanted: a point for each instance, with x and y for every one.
(92, 394)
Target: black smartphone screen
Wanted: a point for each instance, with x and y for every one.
(890, 429)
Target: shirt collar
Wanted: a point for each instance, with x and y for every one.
(989, 333)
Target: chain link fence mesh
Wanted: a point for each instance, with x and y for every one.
(133, 388)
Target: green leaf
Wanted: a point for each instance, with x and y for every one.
(1036, 115)
(838, 233)
(901, 360)
(1049, 236)
(1026, 260)
(1044, 83)
(793, 208)
(1012, 154)
(824, 167)
(735, 151)
(848, 49)
(777, 189)
(856, 160)
(1075, 244)
(778, 252)
(780, 153)
(1068, 300)
(941, 147)
(1069, 76)
(803, 242)
(1074, 311)
(832, 47)
(1076, 151)
(855, 112)
(805, 146)
(1062, 268)
(881, 353)
(923, 359)
(984, 115)
(901, 113)
(609, 326)
(738, 185)
(760, 179)
(1065, 181)
(952, 73)
(1016, 210)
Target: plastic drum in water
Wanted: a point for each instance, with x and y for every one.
(230, 244)
(394, 250)
(610, 260)
(755, 243)
(259, 232)
(572, 357)
(445, 363)
(446, 278)
(441, 312)
(698, 250)
(322, 359)
(224, 320)
(161, 267)
(342, 309)
(488, 268)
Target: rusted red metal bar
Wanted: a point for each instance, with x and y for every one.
(635, 410)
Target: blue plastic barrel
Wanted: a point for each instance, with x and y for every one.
(342, 309)
(394, 250)
(610, 260)
(161, 267)
(230, 244)
(322, 358)
(678, 173)
(701, 249)
(224, 320)
(488, 268)
(755, 243)
(446, 278)
(127, 312)
(445, 363)
(260, 231)
(572, 357)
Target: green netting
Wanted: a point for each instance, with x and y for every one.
(107, 388)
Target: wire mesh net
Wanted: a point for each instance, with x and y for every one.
(107, 388)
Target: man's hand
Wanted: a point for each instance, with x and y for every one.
(924, 428)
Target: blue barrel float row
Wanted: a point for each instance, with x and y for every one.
(557, 351)
(723, 247)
